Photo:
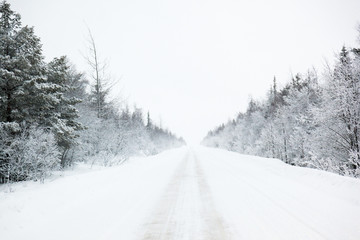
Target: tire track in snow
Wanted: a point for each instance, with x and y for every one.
(215, 225)
(186, 209)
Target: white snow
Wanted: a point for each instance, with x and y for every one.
(186, 193)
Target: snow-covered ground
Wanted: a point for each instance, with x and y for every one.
(187, 193)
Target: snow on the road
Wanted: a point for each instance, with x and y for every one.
(104, 204)
(187, 193)
(267, 199)
(186, 210)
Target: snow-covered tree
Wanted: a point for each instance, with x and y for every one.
(49, 120)
(339, 114)
(62, 116)
(23, 97)
(304, 123)
(22, 70)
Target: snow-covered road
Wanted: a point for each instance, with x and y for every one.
(187, 193)
(186, 210)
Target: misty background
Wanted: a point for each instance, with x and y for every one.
(195, 64)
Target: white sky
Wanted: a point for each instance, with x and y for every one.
(195, 62)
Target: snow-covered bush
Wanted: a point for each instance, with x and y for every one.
(27, 153)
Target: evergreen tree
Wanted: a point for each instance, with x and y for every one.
(62, 116)
(21, 69)
(22, 85)
(149, 122)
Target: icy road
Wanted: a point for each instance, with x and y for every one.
(188, 193)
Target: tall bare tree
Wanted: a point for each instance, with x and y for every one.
(101, 83)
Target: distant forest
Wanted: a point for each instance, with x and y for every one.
(312, 121)
(51, 115)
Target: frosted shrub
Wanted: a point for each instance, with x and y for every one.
(27, 154)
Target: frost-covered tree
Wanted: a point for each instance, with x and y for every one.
(62, 117)
(49, 120)
(22, 70)
(23, 95)
(339, 114)
(33, 109)
(304, 123)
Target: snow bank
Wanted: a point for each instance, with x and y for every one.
(107, 203)
(264, 198)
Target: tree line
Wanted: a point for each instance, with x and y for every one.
(48, 117)
(312, 121)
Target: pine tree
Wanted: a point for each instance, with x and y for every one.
(21, 68)
(149, 121)
(22, 80)
(62, 116)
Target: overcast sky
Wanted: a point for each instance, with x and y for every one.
(195, 63)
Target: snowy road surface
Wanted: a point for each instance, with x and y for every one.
(188, 193)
